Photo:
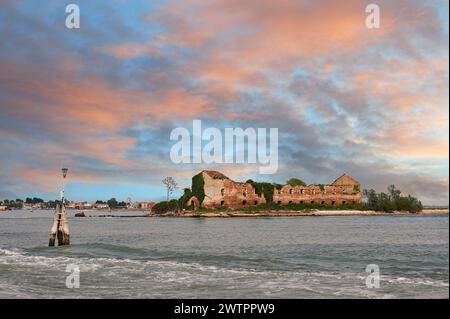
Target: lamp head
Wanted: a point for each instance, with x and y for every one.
(64, 172)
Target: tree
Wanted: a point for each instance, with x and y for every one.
(112, 203)
(52, 203)
(394, 192)
(391, 201)
(296, 182)
(372, 198)
(170, 184)
(386, 204)
(37, 200)
(187, 194)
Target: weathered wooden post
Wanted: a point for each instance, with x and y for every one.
(64, 228)
(60, 227)
(54, 229)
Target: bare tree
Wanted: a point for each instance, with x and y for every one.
(170, 184)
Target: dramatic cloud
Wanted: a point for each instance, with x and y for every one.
(103, 99)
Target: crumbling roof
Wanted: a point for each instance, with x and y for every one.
(345, 179)
(215, 174)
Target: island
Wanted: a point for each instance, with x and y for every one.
(213, 194)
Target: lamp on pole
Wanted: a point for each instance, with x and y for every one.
(60, 227)
(64, 174)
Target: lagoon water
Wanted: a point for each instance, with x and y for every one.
(286, 257)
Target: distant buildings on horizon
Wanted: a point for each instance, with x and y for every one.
(84, 205)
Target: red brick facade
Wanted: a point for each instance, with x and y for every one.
(220, 191)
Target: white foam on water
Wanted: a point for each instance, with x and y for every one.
(114, 277)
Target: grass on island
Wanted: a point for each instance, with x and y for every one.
(302, 207)
(281, 208)
(172, 207)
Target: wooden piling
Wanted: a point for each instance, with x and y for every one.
(60, 227)
(54, 229)
(64, 228)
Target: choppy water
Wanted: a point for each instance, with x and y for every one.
(299, 257)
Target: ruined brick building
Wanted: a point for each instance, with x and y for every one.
(212, 189)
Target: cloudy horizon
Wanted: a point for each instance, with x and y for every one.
(103, 99)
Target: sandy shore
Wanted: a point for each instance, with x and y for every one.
(435, 211)
(293, 213)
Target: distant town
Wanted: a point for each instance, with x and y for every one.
(36, 203)
(213, 192)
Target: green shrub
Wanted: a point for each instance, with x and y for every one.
(166, 206)
(304, 206)
(187, 194)
(391, 201)
(198, 185)
(278, 186)
(262, 207)
(263, 188)
(296, 182)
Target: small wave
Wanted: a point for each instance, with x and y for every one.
(11, 252)
(416, 281)
(93, 249)
(128, 277)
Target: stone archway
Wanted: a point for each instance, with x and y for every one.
(193, 203)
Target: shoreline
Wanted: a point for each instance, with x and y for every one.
(124, 213)
(231, 214)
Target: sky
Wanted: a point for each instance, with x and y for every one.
(103, 99)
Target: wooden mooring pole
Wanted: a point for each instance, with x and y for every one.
(60, 227)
